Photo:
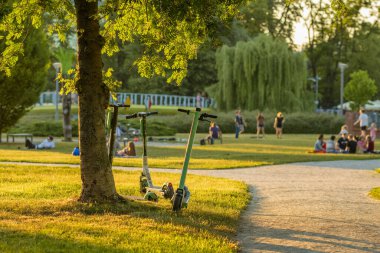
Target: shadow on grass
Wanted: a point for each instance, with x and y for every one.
(17, 241)
(197, 219)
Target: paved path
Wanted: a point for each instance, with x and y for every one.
(308, 207)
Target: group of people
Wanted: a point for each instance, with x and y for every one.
(240, 124)
(349, 143)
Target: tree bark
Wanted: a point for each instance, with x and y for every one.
(96, 172)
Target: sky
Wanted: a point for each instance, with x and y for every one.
(300, 34)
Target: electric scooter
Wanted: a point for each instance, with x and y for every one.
(111, 124)
(182, 195)
(146, 183)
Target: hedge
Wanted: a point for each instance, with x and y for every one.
(296, 123)
(302, 123)
(56, 129)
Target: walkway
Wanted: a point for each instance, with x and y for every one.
(308, 207)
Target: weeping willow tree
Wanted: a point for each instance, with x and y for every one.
(261, 74)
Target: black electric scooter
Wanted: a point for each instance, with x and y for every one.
(146, 183)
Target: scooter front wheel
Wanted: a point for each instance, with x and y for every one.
(177, 203)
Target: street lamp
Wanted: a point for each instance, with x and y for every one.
(58, 67)
(315, 80)
(342, 66)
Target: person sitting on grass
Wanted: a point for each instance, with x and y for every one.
(343, 130)
(48, 143)
(369, 145)
(331, 145)
(214, 133)
(320, 145)
(342, 143)
(351, 144)
(127, 151)
(361, 144)
(76, 151)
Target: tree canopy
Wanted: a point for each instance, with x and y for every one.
(360, 89)
(28, 78)
(261, 73)
(169, 33)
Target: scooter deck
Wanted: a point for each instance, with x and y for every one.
(154, 189)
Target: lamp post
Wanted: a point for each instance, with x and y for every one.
(342, 66)
(58, 67)
(315, 80)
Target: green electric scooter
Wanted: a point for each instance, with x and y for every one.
(146, 184)
(182, 195)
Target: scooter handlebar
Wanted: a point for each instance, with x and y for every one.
(119, 105)
(140, 115)
(145, 114)
(151, 113)
(131, 116)
(206, 115)
(183, 110)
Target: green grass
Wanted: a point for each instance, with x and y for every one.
(243, 152)
(375, 192)
(39, 213)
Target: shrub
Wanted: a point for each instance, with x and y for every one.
(45, 128)
(305, 123)
(168, 125)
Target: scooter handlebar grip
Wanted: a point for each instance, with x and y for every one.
(131, 116)
(183, 110)
(210, 116)
(151, 113)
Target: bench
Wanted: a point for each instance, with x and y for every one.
(19, 135)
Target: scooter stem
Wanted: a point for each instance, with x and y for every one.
(145, 152)
(189, 147)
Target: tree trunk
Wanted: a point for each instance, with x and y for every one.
(97, 179)
(66, 109)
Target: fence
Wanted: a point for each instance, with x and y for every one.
(50, 97)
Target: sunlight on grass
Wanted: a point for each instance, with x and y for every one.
(164, 162)
(375, 193)
(38, 213)
(243, 152)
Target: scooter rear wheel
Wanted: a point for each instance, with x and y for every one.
(143, 184)
(167, 190)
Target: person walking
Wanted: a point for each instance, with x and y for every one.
(372, 131)
(278, 124)
(198, 100)
(363, 122)
(148, 103)
(260, 125)
(239, 124)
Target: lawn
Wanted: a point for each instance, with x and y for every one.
(375, 192)
(243, 152)
(39, 213)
